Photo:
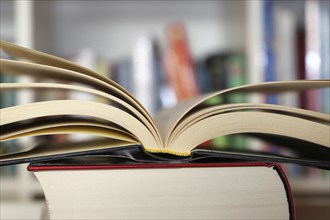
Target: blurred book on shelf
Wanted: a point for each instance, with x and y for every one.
(142, 74)
(122, 73)
(146, 73)
(179, 64)
(285, 24)
(268, 39)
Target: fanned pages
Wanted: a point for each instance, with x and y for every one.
(113, 99)
(169, 118)
(122, 121)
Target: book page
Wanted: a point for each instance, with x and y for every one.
(41, 71)
(57, 86)
(168, 119)
(81, 108)
(47, 59)
(245, 122)
(222, 109)
(65, 125)
(53, 61)
(77, 129)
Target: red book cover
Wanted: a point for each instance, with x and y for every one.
(178, 63)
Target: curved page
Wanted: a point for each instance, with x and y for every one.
(221, 109)
(47, 59)
(73, 129)
(168, 119)
(57, 86)
(15, 129)
(80, 108)
(245, 122)
(42, 71)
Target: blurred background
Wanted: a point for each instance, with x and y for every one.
(175, 50)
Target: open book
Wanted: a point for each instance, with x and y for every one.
(123, 122)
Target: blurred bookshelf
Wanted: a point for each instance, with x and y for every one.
(229, 43)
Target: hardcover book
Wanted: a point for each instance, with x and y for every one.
(165, 191)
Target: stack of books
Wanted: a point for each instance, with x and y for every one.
(142, 167)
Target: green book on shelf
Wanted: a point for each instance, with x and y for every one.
(123, 123)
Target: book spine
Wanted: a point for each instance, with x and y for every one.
(217, 72)
(300, 39)
(269, 62)
(179, 66)
(312, 59)
(254, 46)
(145, 81)
(123, 73)
(203, 76)
(285, 24)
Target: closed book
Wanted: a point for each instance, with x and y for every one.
(166, 191)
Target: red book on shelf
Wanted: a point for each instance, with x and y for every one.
(176, 191)
(179, 66)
